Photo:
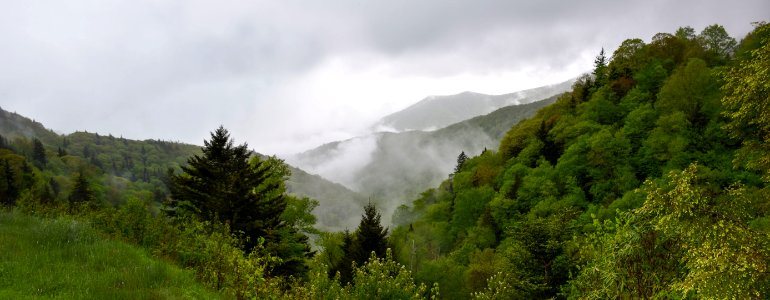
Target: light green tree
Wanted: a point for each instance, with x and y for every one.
(747, 103)
(723, 257)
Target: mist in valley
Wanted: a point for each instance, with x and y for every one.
(391, 168)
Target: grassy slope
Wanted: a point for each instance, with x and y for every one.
(65, 259)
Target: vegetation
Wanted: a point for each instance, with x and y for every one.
(64, 258)
(648, 180)
(226, 185)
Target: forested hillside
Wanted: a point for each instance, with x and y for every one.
(119, 168)
(393, 167)
(648, 180)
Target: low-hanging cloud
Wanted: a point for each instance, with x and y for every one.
(289, 75)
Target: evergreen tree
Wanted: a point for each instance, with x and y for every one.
(224, 185)
(370, 235)
(350, 250)
(8, 189)
(460, 161)
(4, 143)
(600, 69)
(38, 153)
(81, 192)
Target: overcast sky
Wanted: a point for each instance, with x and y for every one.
(286, 76)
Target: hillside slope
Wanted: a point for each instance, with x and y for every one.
(648, 180)
(67, 259)
(393, 167)
(142, 165)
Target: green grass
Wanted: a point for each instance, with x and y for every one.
(66, 259)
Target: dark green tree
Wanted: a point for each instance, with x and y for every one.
(357, 247)
(350, 251)
(8, 189)
(460, 161)
(718, 44)
(225, 184)
(600, 69)
(38, 153)
(371, 236)
(4, 143)
(81, 193)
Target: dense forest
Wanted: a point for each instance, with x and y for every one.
(649, 179)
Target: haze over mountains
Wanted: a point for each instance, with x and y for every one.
(388, 168)
(436, 112)
(147, 161)
(392, 168)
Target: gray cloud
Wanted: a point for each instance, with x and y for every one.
(177, 69)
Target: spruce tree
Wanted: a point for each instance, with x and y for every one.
(344, 266)
(600, 69)
(225, 185)
(4, 143)
(460, 161)
(357, 247)
(8, 189)
(81, 193)
(38, 153)
(370, 235)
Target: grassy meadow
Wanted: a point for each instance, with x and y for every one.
(67, 259)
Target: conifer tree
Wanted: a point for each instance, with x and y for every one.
(8, 190)
(81, 192)
(344, 266)
(371, 236)
(460, 161)
(38, 153)
(600, 69)
(224, 184)
(357, 247)
(4, 143)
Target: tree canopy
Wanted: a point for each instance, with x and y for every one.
(227, 184)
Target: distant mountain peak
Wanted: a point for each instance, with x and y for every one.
(435, 112)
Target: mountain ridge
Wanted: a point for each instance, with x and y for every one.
(393, 167)
(148, 160)
(435, 112)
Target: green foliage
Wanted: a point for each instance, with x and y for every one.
(561, 212)
(81, 196)
(717, 43)
(383, 278)
(626, 258)
(64, 258)
(460, 161)
(691, 90)
(378, 278)
(299, 214)
(225, 185)
(626, 60)
(469, 205)
(600, 69)
(210, 249)
(747, 101)
(369, 239)
(370, 235)
(38, 154)
(724, 257)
